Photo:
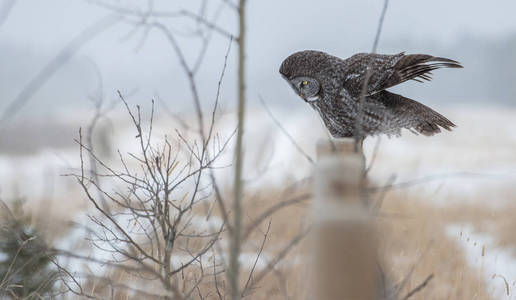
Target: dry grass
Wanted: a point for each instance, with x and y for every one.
(414, 243)
(415, 239)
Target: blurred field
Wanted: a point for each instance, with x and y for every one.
(415, 243)
(455, 221)
(447, 203)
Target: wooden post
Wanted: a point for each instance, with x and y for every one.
(344, 233)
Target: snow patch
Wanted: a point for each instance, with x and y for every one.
(497, 265)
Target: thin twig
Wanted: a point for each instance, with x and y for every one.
(378, 203)
(257, 258)
(271, 210)
(420, 287)
(285, 132)
(375, 154)
(55, 64)
(272, 264)
(358, 128)
(5, 10)
(435, 177)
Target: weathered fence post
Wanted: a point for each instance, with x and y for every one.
(344, 234)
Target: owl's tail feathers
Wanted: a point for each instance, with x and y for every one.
(414, 116)
(431, 127)
(419, 67)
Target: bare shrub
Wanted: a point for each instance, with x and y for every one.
(148, 224)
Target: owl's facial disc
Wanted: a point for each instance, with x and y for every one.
(306, 87)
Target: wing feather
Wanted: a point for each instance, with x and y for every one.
(412, 115)
(390, 70)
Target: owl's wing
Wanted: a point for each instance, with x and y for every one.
(390, 70)
(412, 115)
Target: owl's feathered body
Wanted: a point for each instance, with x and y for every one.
(333, 87)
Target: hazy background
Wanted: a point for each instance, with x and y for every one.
(143, 66)
(467, 201)
(37, 137)
(479, 34)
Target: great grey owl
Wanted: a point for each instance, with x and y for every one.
(333, 87)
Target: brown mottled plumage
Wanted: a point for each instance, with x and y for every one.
(333, 86)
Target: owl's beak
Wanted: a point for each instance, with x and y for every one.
(303, 96)
(309, 99)
(312, 99)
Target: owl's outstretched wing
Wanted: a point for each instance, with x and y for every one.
(390, 70)
(412, 115)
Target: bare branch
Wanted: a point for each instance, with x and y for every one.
(257, 258)
(272, 210)
(284, 131)
(5, 10)
(418, 288)
(359, 136)
(282, 254)
(55, 64)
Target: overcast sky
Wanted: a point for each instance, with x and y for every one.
(36, 30)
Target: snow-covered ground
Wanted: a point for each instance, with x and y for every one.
(498, 265)
(477, 157)
(473, 164)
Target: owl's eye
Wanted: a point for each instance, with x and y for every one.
(304, 83)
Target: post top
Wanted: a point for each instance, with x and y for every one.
(338, 146)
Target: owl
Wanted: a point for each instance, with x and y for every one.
(334, 88)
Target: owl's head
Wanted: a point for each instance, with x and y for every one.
(309, 73)
(306, 87)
